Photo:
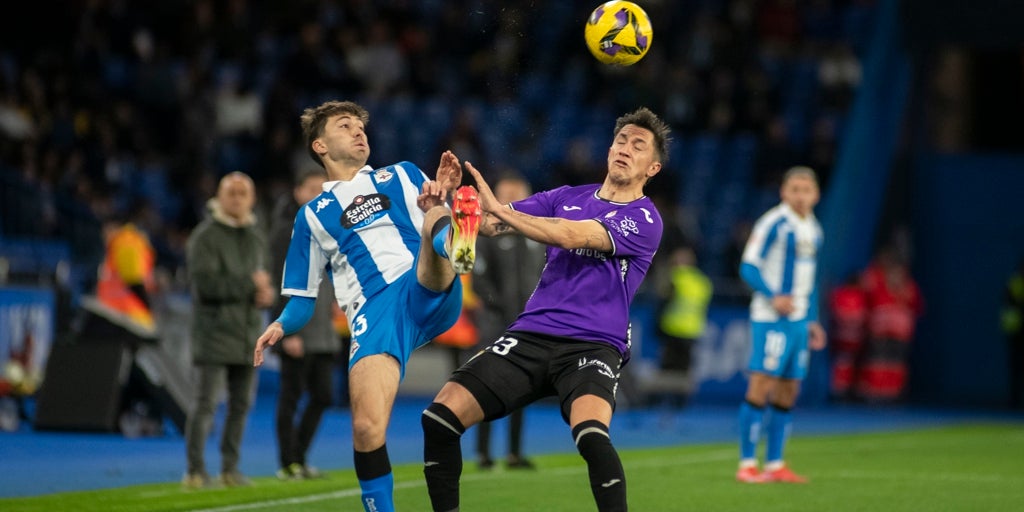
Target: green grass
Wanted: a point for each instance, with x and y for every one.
(962, 468)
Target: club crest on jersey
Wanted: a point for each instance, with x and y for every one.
(382, 175)
(364, 210)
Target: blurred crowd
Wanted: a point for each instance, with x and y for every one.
(137, 109)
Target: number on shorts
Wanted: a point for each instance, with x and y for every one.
(774, 343)
(503, 345)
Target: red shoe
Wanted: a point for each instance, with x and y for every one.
(749, 475)
(466, 216)
(783, 474)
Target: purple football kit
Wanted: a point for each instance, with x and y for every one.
(586, 294)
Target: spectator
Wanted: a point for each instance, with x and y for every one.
(894, 304)
(682, 317)
(506, 273)
(848, 313)
(230, 287)
(1013, 327)
(308, 356)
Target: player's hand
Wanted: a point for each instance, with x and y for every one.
(816, 336)
(261, 278)
(269, 337)
(292, 345)
(488, 202)
(431, 194)
(783, 304)
(449, 172)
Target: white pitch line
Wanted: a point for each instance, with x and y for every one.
(346, 493)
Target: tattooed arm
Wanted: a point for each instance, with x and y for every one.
(564, 233)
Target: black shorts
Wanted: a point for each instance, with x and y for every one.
(521, 368)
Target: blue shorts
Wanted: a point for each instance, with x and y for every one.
(779, 349)
(402, 318)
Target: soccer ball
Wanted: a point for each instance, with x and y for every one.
(618, 33)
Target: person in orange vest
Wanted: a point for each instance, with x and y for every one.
(126, 279)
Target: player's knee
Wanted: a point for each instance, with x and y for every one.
(439, 423)
(368, 428)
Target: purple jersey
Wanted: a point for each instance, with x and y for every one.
(585, 294)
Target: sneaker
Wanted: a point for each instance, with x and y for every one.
(466, 216)
(517, 462)
(292, 471)
(783, 474)
(749, 475)
(309, 472)
(485, 463)
(196, 481)
(234, 479)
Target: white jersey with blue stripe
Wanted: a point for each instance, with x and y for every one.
(784, 248)
(365, 232)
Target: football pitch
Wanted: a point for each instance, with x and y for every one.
(974, 467)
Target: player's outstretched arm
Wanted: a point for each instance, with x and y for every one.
(564, 233)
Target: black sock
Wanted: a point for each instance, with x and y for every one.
(607, 478)
(372, 464)
(442, 456)
(439, 225)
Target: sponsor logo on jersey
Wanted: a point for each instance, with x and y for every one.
(627, 226)
(590, 253)
(364, 210)
(571, 208)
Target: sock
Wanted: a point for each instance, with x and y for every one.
(607, 478)
(779, 422)
(750, 430)
(440, 235)
(373, 469)
(442, 456)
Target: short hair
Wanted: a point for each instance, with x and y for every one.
(644, 118)
(801, 171)
(315, 118)
(313, 172)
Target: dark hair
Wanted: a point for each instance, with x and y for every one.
(644, 118)
(302, 176)
(314, 119)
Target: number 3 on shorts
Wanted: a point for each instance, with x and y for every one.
(503, 345)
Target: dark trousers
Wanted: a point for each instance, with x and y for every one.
(1016, 361)
(313, 374)
(212, 377)
(515, 436)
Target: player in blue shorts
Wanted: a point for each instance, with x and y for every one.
(573, 335)
(779, 263)
(384, 236)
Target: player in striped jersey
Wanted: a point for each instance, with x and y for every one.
(383, 236)
(779, 263)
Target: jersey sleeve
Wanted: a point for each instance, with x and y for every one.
(634, 231)
(541, 204)
(414, 173)
(304, 264)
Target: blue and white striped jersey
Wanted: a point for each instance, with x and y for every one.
(784, 249)
(366, 232)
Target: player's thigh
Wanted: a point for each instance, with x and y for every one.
(373, 383)
(506, 375)
(585, 368)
